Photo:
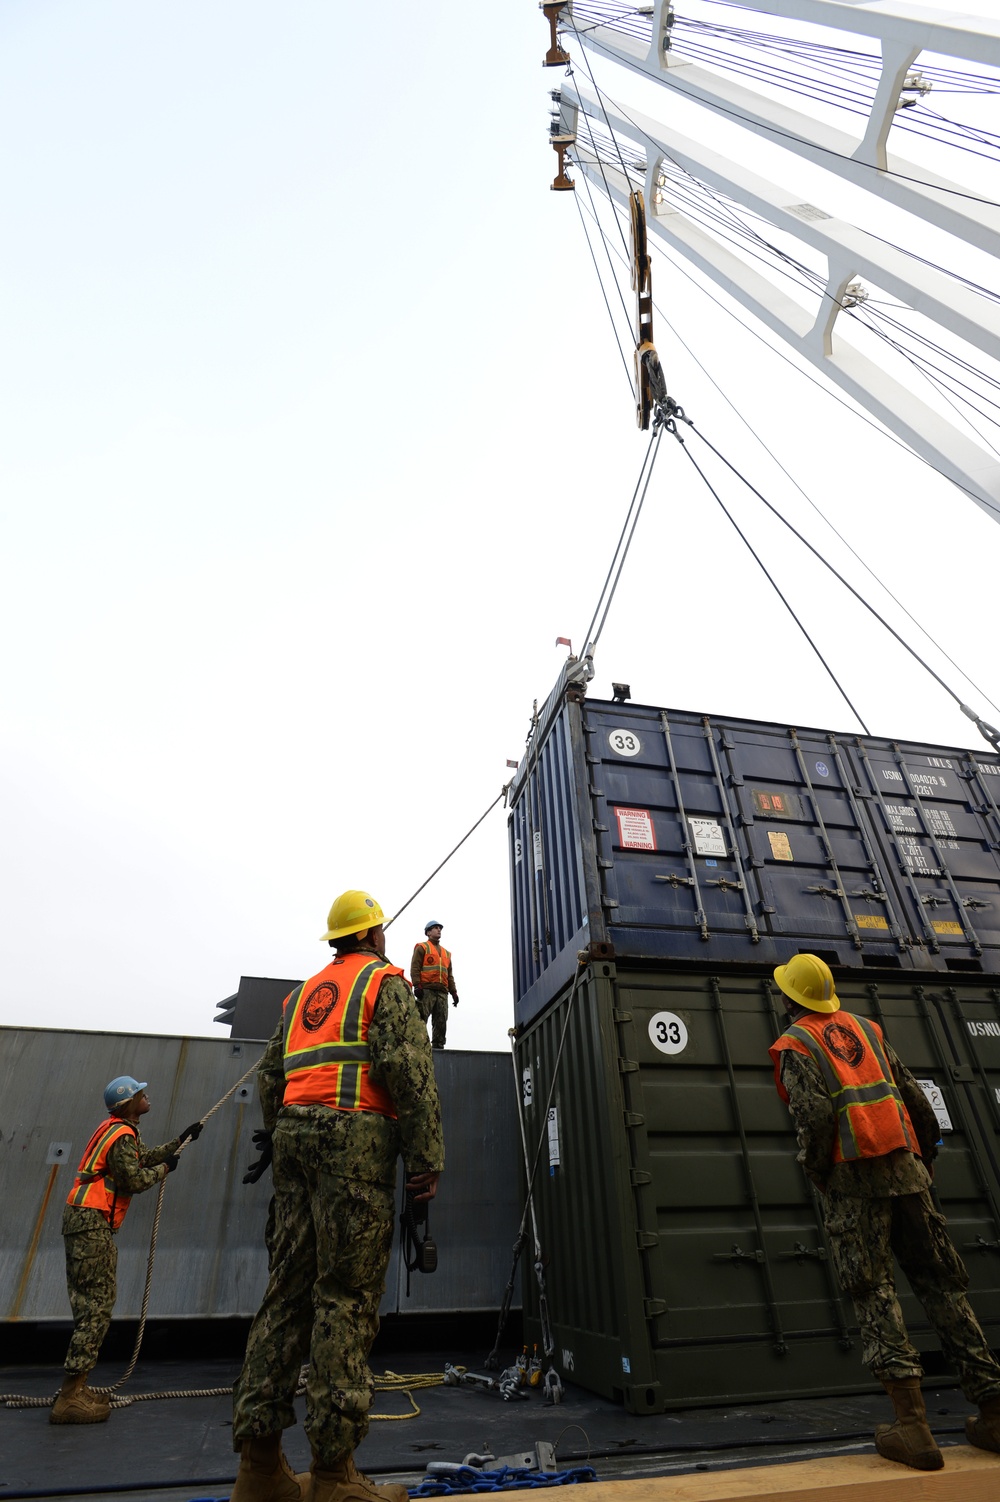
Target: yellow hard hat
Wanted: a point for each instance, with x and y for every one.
(352, 912)
(808, 980)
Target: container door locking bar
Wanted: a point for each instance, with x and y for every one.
(737, 1254)
(749, 916)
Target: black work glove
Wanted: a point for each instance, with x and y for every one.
(171, 1162)
(418, 992)
(262, 1142)
(454, 1001)
(193, 1131)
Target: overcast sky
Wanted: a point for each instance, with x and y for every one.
(314, 438)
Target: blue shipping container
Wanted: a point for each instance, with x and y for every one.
(657, 835)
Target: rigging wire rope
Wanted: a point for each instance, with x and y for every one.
(621, 552)
(978, 721)
(772, 581)
(502, 794)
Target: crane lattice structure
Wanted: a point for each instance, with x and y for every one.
(626, 152)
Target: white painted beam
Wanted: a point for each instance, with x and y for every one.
(951, 206)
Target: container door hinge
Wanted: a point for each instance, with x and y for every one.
(652, 1308)
(646, 1240)
(596, 792)
(633, 1119)
(600, 828)
(606, 865)
(628, 1066)
(640, 1176)
(620, 1016)
(609, 902)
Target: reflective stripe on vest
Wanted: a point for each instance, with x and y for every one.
(434, 965)
(871, 1117)
(92, 1187)
(326, 1037)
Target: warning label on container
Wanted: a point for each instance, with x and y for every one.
(936, 1100)
(553, 1125)
(635, 829)
(944, 927)
(708, 837)
(780, 845)
(870, 920)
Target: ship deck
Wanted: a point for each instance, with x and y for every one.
(180, 1449)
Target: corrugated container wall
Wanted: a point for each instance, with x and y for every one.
(211, 1261)
(653, 835)
(684, 1254)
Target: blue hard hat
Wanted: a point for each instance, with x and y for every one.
(434, 923)
(121, 1090)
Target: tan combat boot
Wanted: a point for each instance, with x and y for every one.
(76, 1403)
(909, 1440)
(345, 1483)
(265, 1475)
(984, 1429)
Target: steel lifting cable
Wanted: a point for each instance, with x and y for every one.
(502, 794)
(772, 581)
(977, 720)
(624, 540)
(21, 1400)
(988, 732)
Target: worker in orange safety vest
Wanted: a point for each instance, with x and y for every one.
(867, 1139)
(115, 1166)
(433, 981)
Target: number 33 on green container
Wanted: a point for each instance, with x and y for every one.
(667, 1032)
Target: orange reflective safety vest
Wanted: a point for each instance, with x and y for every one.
(92, 1186)
(327, 1018)
(871, 1117)
(434, 965)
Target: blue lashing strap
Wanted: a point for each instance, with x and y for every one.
(461, 1480)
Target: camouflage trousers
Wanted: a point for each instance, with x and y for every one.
(91, 1262)
(329, 1249)
(864, 1234)
(434, 1004)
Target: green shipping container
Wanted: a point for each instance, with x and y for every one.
(683, 1250)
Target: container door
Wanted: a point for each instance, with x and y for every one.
(672, 873)
(742, 1255)
(938, 849)
(815, 864)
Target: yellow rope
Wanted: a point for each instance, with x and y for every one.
(413, 1382)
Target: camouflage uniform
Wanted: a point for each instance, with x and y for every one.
(334, 1175)
(874, 1207)
(434, 1001)
(91, 1253)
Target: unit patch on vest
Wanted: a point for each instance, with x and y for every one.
(319, 1004)
(843, 1044)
